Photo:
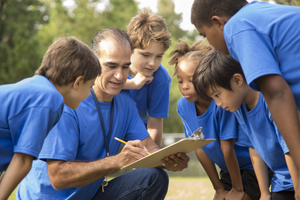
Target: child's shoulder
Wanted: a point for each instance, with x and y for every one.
(162, 74)
(34, 92)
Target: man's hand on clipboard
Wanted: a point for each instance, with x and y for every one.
(176, 162)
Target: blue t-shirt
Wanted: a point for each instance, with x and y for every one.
(265, 39)
(29, 109)
(267, 141)
(153, 98)
(78, 137)
(217, 124)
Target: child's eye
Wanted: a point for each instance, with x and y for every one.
(217, 95)
(159, 56)
(179, 82)
(145, 55)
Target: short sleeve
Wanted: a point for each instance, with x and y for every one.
(255, 52)
(30, 127)
(227, 124)
(63, 140)
(187, 129)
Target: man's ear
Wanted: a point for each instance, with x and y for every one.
(77, 82)
(238, 79)
(220, 20)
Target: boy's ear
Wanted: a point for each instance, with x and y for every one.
(238, 79)
(220, 20)
(78, 82)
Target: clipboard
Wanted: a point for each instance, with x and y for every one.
(184, 145)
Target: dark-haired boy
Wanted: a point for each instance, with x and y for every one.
(31, 107)
(265, 39)
(222, 79)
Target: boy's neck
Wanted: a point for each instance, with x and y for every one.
(201, 106)
(251, 98)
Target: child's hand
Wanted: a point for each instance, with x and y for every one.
(220, 194)
(140, 80)
(234, 194)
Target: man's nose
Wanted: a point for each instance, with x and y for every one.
(119, 75)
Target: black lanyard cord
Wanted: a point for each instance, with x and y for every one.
(106, 138)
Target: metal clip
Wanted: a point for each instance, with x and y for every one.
(197, 134)
(104, 183)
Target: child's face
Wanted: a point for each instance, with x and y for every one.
(215, 37)
(230, 100)
(185, 71)
(146, 61)
(79, 92)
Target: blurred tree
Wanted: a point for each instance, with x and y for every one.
(288, 2)
(20, 50)
(119, 13)
(86, 19)
(83, 21)
(166, 10)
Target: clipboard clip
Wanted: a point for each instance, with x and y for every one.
(197, 134)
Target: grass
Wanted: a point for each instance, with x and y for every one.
(187, 188)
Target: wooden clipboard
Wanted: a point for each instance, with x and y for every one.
(185, 145)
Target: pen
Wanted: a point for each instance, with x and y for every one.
(125, 143)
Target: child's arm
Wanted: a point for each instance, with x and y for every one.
(137, 82)
(261, 172)
(18, 168)
(292, 168)
(281, 103)
(237, 191)
(155, 129)
(211, 171)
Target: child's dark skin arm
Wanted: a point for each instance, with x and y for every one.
(237, 191)
(282, 105)
(211, 171)
(261, 172)
(18, 168)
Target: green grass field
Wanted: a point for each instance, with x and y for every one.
(187, 188)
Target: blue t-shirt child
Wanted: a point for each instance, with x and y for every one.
(153, 98)
(217, 124)
(78, 136)
(267, 141)
(29, 109)
(265, 39)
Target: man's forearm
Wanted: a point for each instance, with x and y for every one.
(65, 174)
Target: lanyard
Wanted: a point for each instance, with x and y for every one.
(106, 140)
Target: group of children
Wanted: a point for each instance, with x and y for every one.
(247, 100)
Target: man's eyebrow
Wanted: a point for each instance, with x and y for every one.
(129, 63)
